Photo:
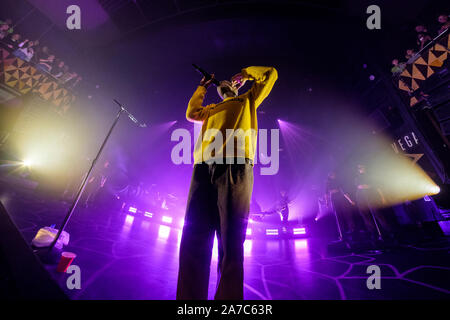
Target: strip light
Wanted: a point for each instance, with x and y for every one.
(167, 219)
(272, 232)
(148, 214)
(299, 231)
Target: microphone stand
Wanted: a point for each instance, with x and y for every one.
(49, 254)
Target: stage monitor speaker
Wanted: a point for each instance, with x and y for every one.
(22, 276)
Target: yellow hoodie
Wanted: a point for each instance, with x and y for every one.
(230, 115)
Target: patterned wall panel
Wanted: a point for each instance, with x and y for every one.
(54, 92)
(17, 74)
(424, 67)
(22, 77)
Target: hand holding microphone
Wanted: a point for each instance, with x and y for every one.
(207, 82)
(206, 75)
(237, 81)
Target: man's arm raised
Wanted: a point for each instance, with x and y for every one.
(195, 111)
(264, 78)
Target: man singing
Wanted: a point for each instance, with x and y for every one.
(221, 185)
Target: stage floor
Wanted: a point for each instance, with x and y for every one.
(122, 256)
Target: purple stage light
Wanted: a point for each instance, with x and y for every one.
(167, 219)
(148, 214)
(299, 231)
(249, 232)
(180, 233)
(215, 252)
(247, 247)
(272, 232)
(163, 232)
(129, 220)
(301, 244)
(132, 209)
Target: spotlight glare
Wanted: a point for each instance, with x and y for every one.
(434, 190)
(132, 209)
(27, 162)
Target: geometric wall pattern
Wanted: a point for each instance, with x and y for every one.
(23, 77)
(424, 67)
(17, 74)
(54, 92)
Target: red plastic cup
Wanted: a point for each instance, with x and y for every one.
(65, 261)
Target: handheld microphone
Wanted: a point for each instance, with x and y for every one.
(207, 75)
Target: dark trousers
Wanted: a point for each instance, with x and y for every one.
(367, 204)
(343, 212)
(218, 201)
